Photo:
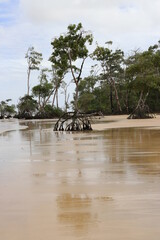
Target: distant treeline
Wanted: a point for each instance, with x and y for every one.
(116, 84)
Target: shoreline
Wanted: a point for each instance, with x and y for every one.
(8, 125)
(121, 121)
(101, 124)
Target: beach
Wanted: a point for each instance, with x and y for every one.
(121, 121)
(97, 185)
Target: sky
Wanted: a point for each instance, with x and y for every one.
(23, 23)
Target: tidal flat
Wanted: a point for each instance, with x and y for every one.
(99, 185)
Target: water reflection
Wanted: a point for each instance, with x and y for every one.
(74, 210)
(90, 185)
(137, 147)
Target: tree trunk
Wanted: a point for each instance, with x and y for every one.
(111, 99)
(57, 98)
(140, 99)
(142, 110)
(29, 71)
(126, 102)
(116, 95)
(76, 98)
(54, 97)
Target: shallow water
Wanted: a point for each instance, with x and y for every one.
(7, 125)
(92, 186)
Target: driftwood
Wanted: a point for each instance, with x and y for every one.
(74, 121)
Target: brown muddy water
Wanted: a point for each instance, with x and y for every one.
(86, 186)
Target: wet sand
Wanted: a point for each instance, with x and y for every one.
(121, 121)
(101, 185)
(8, 125)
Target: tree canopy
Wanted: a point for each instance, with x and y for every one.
(114, 83)
(67, 49)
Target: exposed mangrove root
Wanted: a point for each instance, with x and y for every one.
(74, 121)
(142, 111)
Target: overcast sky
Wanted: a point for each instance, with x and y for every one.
(23, 23)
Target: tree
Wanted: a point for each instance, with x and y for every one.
(144, 67)
(33, 60)
(43, 90)
(87, 97)
(43, 93)
(111, 70)
(56, 81)
(27, 107)
(6, 110)
(68, 50)
(66, 95)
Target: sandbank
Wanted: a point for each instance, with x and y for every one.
(121, 121)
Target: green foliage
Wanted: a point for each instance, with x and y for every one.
(49, 112)
(110, 61)
(57, 112)
(143, 70)
(92, 98)
(69, 48)
(27, 107)
(153, 100)
(88, 84)
(111, 64)
(33, 59)
(7, 110)
(42, 91)
(116, 86)
(85, 102)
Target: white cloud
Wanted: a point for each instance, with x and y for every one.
(91, 10)
(113, 19)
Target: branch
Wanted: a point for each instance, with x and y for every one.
(70, 61)
(78, 78)
(50, 94)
